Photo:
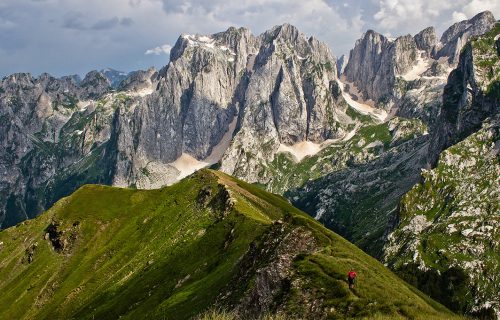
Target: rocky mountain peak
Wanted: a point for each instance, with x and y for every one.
(18, 78)
(235, 38)
(139, 80)
(95, 84)
(370, 67)
(115, 77)
(234, 41)
(374, 37)
(285, 32)
(426, 40)
(456, 36)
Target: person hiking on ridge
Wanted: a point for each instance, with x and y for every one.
(351, 277)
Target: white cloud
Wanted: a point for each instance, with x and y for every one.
(164, 49)
(393, 13)
(475, 6)
(320, 18)
(458, 16)
(410, 16)
(43, 34)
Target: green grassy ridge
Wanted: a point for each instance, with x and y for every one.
(168, 254)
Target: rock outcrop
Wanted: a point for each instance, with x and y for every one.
(446, 238)
(406, 75)
(471, 93)
(455, 37)
(292, 95)
(426, 40)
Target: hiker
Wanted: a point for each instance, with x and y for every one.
(351, 278)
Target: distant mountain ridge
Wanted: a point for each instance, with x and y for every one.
(187, 112)
(114, 77)
(380, 67)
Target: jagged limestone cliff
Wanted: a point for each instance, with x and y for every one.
(359, 201)
(406, 75)
(446, 239)
(230, 98)
(448, 235)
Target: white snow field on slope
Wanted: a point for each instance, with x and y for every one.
(304, 149)
(301, 150)
(363, 107)
(187, 164)
(416, 71)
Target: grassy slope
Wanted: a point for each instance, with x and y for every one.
(162, 254)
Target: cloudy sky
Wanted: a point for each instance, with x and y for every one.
(75, 36)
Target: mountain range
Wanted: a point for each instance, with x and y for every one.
(394, 148)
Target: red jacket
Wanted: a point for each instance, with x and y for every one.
(351, 274)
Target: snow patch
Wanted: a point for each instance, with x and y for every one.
(301, 150)
(415, 72)
(205, 41)
(363, 107)
(197, 40)
(187, 164)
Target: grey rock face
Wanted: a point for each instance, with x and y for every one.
(280, 87)
(426, 40)
(471, 93)
(291, 96)
(406, 76)
(364, 62)
(375, 62)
